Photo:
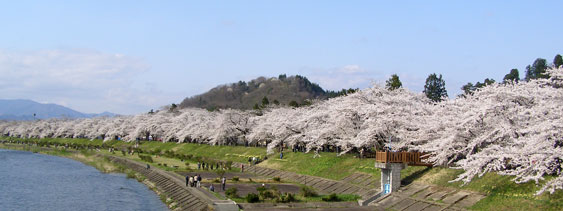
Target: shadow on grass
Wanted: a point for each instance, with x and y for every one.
(409, 179)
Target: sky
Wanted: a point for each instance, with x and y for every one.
(129, 57)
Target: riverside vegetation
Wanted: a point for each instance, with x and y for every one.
(502, 193)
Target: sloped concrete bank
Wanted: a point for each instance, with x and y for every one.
(187, 198)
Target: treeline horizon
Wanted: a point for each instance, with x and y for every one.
(298, 91)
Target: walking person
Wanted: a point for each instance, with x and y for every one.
(223, 183)
(241, 167)
(191, 182)
(187, 180)
(198, 165)
(198, 181)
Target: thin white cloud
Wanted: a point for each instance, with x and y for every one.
(356, 76)
(352, 69)
(347, 76)
(85, 80)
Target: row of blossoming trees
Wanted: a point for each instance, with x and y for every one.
(512, 129)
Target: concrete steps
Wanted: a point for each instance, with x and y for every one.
(184, 198)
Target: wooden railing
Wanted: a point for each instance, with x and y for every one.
(410, 158)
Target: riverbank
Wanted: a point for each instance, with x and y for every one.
(101, 163)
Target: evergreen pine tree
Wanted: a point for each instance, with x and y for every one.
(435, 88)
(393, 83)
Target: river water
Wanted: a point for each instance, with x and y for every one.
(32, 181)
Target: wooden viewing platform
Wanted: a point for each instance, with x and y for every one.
(409, 158)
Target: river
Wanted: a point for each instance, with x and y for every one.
(32, 181)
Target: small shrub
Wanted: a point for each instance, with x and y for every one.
(140, 178)
(277, 179)
(130, 174)
(216, 180)
(235, 179)
(165, 165)
(285, 198)
(252, 198)
(189, 156)
(123, 152)
(231, 192)
(332, 197)
(271, 193)
(163, 197)
(307, 191)
(229, 164)
(261, 189)
(156, 151)
(146, 158)
(267, 194)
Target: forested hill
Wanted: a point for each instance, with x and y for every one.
(283, 90)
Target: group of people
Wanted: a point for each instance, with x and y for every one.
(206, 166)
(193, 181)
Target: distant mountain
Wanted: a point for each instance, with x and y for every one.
(25, 109)
(245, 95)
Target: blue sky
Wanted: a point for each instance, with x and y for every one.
(130, 56)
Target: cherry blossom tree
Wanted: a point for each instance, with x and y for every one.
(512, 128)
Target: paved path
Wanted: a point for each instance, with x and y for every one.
(348, 206)
(322, 185)
(417, 197)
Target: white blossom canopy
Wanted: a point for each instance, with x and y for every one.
(512, 128)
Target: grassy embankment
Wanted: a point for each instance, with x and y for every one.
(502, 193)
(329, 165)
